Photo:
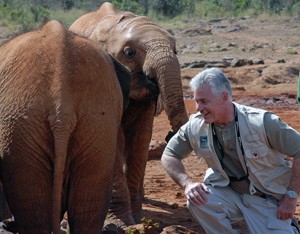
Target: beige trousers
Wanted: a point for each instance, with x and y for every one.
(225, 207)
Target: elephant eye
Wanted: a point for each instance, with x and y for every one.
(129, 52)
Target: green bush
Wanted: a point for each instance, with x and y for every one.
(296, 9)
(132, 6)
(26, 17)
(40, 14)
(29, 14)
(171, 8)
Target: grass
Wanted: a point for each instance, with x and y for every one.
(25, 16)
(67, 17)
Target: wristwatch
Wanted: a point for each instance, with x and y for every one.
(292, 194)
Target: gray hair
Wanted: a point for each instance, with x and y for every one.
(215, 78)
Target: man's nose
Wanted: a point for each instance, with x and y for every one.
(199, 107)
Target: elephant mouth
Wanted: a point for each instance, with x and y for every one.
(143, 88)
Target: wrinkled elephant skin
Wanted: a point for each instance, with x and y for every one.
(61, 108)
(149, 52)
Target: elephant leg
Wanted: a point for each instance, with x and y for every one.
(27, 182)
(90, 185)
(137, 147)
(5, 212)
(120, 214)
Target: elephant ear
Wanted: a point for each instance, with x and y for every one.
(159, 106)
(101, 32)
(107, 9)
(104, 32)
(99, 22)
(124, 78)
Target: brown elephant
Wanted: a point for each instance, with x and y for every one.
(61, 106)
(149, 52)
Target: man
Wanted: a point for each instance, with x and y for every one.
(249, 175)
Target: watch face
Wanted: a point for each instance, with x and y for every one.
(291, 194)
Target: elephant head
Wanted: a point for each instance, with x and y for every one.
(146, 49)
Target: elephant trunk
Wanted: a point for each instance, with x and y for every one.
(169, 82)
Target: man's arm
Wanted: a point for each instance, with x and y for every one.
(295, 179)
(286, 140)
(176, 170)
(287, 205)
(195, 192)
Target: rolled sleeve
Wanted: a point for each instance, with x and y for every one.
(281, 136)
(179, 145)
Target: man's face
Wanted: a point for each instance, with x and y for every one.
(209, 105)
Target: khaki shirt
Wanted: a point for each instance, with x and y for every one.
(279, 137)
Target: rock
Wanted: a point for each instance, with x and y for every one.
(238, 62)
(197, 31)
(177, 229)
(280, 61)
(258, 61)
(174, 206)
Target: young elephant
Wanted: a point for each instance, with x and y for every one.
(149, 52)
(61, 106)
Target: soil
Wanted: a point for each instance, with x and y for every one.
(261, 58)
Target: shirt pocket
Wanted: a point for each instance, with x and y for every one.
(257, 160)
(254, 148)
(256, 152)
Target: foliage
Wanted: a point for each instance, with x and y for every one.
(148, 227)
(296, 9)
(227, 8)
(127, 5)
(29, 14)
(171, 8)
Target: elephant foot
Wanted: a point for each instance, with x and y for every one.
(138, 216)
(120, 217)
(117, 224)
(137, 211)
(64, 227)
(112, 229)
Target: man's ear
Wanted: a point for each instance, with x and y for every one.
(225, 96)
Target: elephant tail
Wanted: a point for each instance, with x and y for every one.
(63, 128)
(61, 146)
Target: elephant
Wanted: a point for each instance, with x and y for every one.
(149, 51)
(62, 98)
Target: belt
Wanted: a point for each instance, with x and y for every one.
(233, 178)
(260, 194)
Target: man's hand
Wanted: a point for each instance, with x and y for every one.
(196, 193)
(287, 208)
(287, 205)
